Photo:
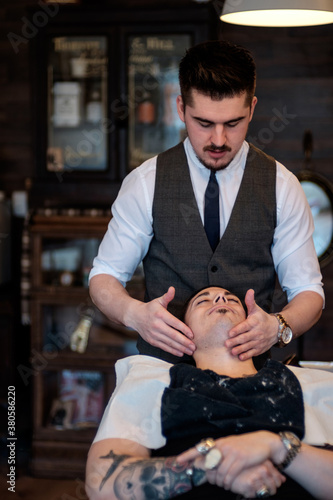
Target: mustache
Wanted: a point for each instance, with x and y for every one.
(219, 149)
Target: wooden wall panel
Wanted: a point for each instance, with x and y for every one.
(15, 104)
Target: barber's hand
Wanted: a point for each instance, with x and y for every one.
(254, 336)
(160, 328)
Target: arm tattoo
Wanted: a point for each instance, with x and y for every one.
(149, 478)
(117, 459)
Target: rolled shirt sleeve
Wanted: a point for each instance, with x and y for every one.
(130, 231)
(293, 250)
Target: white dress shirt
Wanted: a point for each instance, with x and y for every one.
(130, 230)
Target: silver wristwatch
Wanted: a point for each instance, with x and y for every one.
(293, 446)
(285, 333)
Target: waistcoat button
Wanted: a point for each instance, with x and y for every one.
(213, 269)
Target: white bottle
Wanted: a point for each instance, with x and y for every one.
(94, 111)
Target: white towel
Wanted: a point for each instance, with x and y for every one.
(317, 386)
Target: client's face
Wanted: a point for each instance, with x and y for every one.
(213, 307)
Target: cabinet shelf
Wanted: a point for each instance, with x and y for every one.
(82, 224)
(69, 435)
(97, 358)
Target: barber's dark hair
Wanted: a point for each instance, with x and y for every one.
(218, 69)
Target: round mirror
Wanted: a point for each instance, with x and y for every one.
(320, 197)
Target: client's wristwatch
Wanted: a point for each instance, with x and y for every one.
(285, 333)
(293, 446)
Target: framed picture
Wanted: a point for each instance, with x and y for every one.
(85, 391)
(154, 125)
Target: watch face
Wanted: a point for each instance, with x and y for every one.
(287, 335)
(293, 440)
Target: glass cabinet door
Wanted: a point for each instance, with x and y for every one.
(77, 104)
(154, 125)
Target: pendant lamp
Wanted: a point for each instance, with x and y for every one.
(277, 13)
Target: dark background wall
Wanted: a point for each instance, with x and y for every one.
(295, 91)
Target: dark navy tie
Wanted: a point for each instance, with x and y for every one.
(212, 211)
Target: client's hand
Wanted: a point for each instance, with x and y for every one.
(251, 480)
(238, 453)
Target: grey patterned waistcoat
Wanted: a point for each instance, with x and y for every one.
(179, 253)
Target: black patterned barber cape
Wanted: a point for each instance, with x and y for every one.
(200, 403)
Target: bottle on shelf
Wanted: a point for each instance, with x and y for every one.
(94, 108)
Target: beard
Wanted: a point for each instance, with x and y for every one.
(219, 149)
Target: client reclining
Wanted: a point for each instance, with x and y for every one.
(159, 410)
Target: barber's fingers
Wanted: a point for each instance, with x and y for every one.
(250, 302)
(169, 319)
(167, 297)
(255, 338)
(162, 330)
(259, 326)
(249, 349)
(250, 344)
(168, 344)
(177, 326)
(250, 354)
(159, 327)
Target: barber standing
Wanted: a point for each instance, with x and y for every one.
(214, 209)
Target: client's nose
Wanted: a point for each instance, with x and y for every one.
(220, 297)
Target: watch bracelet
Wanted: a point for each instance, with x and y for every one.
(291, 453)
(282, 326)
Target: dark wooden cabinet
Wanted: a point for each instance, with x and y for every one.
(104, 88)
(70, 388)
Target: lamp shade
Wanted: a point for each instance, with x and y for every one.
(277, 13)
